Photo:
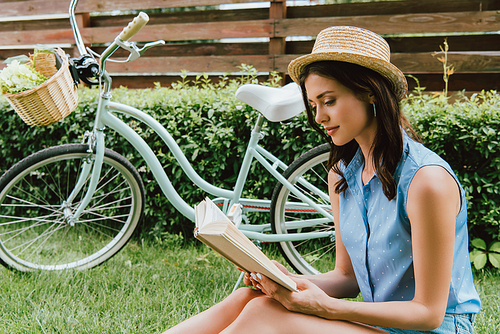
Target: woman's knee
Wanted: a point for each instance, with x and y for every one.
(262, 306)
(243, 296)
(267, 311)
(246, 294)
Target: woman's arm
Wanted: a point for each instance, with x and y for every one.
(433, 203)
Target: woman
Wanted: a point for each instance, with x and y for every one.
(400, 214)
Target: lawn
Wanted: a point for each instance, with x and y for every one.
(146, 288)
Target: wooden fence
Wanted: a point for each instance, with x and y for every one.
(208, 39)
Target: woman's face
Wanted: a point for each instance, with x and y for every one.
(343, 115)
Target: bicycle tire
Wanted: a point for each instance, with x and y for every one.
(309, 256)
(34, 234)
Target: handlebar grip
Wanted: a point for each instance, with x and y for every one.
(134, 27)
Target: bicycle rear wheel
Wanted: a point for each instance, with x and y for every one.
(311, 256)
(34, 233)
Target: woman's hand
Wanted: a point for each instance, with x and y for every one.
(282, 268)
(250, 280)
(309, 299)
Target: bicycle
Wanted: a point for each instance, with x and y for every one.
(76, 205)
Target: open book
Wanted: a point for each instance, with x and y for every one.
(216, 231)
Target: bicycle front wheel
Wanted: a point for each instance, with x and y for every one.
(309, 174)
(34, 234)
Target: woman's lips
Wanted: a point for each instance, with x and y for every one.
(331, 130)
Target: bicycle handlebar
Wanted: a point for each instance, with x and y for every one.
(74, 27)
(134, 27)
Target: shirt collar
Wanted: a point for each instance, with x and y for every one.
(358, 161)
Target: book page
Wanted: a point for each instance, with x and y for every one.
(199, 213)
(212, 212)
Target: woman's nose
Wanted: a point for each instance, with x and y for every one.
(321, 116)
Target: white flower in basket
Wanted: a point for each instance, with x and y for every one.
(17, 77)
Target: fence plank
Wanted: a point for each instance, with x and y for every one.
(44, 7)
(185, 17)
(35, 25)
(38, 7)
(170, 32)
(183, 32)
(99, 5)
(393, 8)
(50, 36)
(463, 62)
(163, 65)
(188, 31)
(488, 42)
(396, 24)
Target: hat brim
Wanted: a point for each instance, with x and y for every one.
(384, 68)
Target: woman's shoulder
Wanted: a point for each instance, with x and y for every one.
(419, 155)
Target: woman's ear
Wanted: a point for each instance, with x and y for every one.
(371, 98)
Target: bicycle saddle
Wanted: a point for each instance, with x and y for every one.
(276, 104)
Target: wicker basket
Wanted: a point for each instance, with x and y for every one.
(44, 63)
(53, 100)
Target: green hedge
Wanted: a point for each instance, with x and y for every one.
(212, 127)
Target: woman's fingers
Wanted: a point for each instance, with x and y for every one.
(281, 267)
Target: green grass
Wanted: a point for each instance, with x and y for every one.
(488, 286)
(144, 289)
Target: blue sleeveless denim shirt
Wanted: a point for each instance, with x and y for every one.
(377, 234)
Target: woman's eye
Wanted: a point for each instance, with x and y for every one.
(329, 102)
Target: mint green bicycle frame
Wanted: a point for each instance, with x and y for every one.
(106, 118)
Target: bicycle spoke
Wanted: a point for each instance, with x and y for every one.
(107, 205)
(31, 204)
(103, 196)
(42, 219)
(330, 246)
(105, 218)
(31, 195)
(97, 230)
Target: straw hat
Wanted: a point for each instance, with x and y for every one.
(353, 45)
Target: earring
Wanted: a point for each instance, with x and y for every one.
(374, 110)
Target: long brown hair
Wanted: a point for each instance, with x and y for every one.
(387, 147)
